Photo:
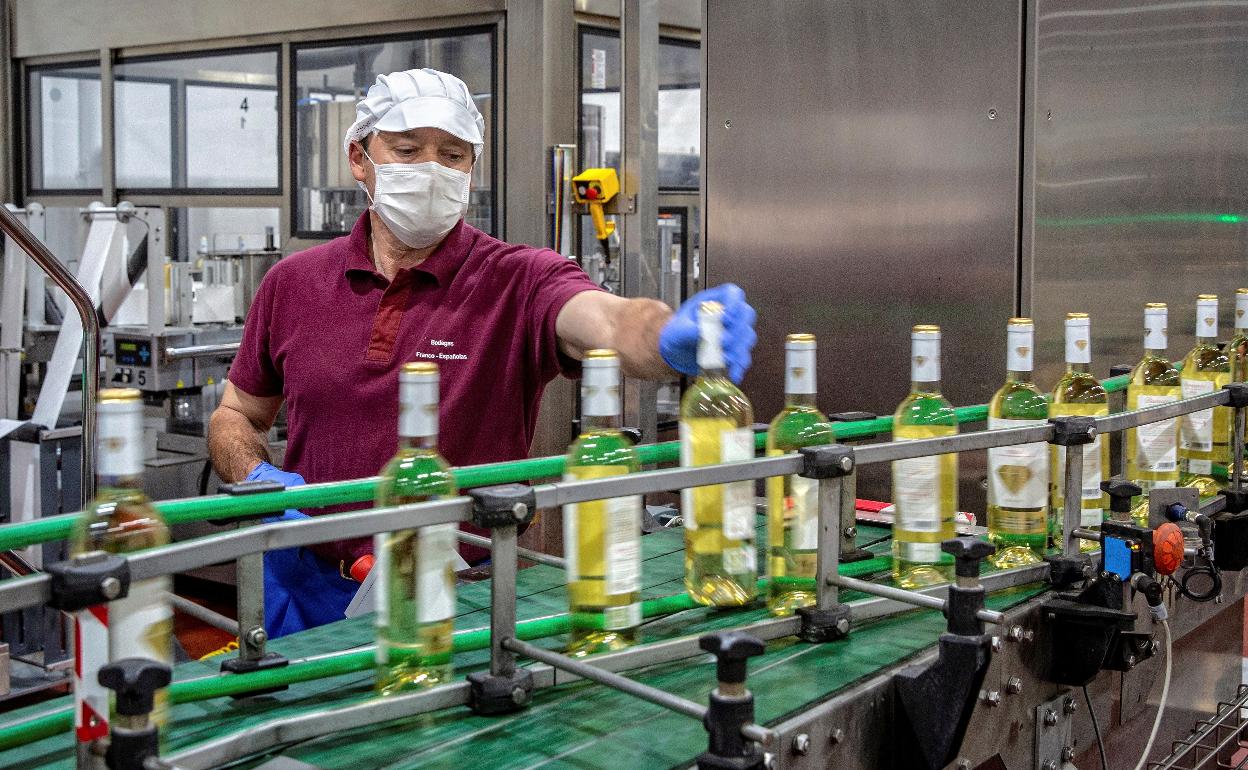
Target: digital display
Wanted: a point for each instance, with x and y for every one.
(133, 352)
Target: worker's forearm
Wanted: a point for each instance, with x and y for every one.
(636, 332)
(235, 445)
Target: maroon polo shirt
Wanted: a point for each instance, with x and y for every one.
(328, 333)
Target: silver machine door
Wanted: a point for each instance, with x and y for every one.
(862, 175)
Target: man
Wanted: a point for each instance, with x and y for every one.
(330, 326)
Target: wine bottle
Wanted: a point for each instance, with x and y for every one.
(602, 538)
(925, 489)
(1204, 435)
(1078, 393)
(1152, 450)
(120, 520)
(416, 579)
(793, 501)
(1018, 475)
(721, 565)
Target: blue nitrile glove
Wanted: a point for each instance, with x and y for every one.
(268, 472)
(678, 341)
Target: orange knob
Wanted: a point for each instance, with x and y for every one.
(1167, 548)
(362, 565)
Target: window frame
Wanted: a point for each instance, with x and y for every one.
(584, 30)
(493, 143)
(31, 130)
(179, 116)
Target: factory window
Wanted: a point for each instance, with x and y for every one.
(198, 123)
(679, 106)
(331, 78)
(64, 128)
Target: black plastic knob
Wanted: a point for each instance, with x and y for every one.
(968, 554)
(135, 680)
(1120, 492)
(731, 650)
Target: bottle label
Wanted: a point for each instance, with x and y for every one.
(1020, 347)
(925, 359)
(600, 391)
(1203, 467)
(1156, 445)
(619, 618)
(1078, 342)
(121, 442)
(1018, 476)
(1155, 329)
(799, 371)
(418, 407)
(736, 445)
(623, 545)
(1197, 427)
(916, 493)
(381, 592)
(1207, 319)
(141, 624)
(802, 516)
(740, 560)
(435, 576)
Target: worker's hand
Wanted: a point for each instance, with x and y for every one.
(678, 341)
(270, 472)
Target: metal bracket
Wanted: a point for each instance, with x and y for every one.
(243, 666)
(92, 578)
(824, 625)
(491, 694)
(504, 505)
(1054, 742)
(829, 461)
(1239, 394)
(1161, 499)
(1073, 430)
(242, 489)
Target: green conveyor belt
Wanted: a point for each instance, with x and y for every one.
(579, 725)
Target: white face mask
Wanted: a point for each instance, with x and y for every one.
(419, 202)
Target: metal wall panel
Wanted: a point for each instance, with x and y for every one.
(861, 168)
(1140, 133)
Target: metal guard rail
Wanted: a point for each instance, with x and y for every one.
(200, 552)
(52, 528)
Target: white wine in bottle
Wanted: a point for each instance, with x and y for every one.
(1152, 450)
(602, 538)
(120, 520)
(1018, 476)
(1079, 394)
(1204, 435)
(416, 567)
(721, 564)
(925, 489)
(793, 501)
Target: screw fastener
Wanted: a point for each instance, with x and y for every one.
(997, 644)
(1069, 705)
(1014, 685)
(993, 698)
(837, 736)
(110, 588)
(851, 532)
(801, 744)
(847, 464)
(1050, 717)
(1068, 754)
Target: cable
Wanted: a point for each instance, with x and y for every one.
(1165, 694)
(1096, 728)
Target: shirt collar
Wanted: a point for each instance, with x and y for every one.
(441, 265)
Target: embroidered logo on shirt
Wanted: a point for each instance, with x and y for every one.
(439, 356)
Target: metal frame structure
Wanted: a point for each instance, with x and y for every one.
(835, 502)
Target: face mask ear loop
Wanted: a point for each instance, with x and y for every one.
(363, 186)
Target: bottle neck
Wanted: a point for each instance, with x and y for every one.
(114, 481)
(1078, 368)
(419, 442)
(799, 399)
(713, 372)
(1024, 376)
(925, 386)
(594, 423)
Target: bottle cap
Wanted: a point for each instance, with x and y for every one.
(418, 399)
(799, 364)
(1078, 338)
(1207, 316)
(600, 385)
(120, 432)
